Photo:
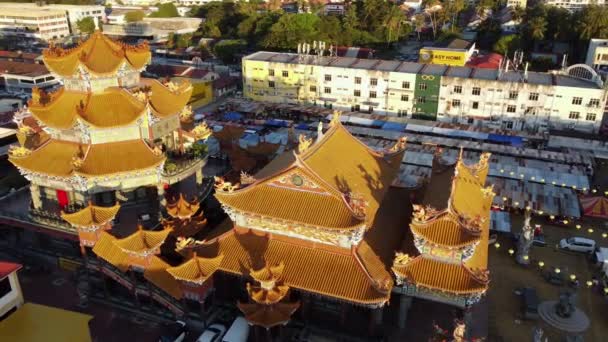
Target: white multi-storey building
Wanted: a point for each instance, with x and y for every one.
(517, 3)
(597, 55)
(574, 98)
(573, 5)
(73, 13)
(42, 23)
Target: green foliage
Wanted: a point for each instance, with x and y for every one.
(170, 167)
(199, 150)
(179, 40)
(59, 2)
(507, 44)
(292, 29)
(134, 16)
(166, 10)
(86, 25)
(228, 50)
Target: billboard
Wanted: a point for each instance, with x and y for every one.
(445, 57)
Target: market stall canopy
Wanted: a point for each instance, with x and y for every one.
(595, 206)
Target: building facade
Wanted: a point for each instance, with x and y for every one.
(597, 55)
(73, 13)
(573, 5)
(21, 77)
(42, 23)
(573, 98)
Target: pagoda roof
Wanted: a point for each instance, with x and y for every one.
(356, 276)
(196, 269)
(111, 107)
(268, 316)
(442, 276)
(331, 170)
(166, 100)
(98, 54)
(181, 208)
(142, 240)
(188, 227)
(57, 158)
(157, 272)
(446, 230)
(106, 249)
(91, 215)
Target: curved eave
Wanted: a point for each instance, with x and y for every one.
(164, 102)
(92, 215)
(465, 239)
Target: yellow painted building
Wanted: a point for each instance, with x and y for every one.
(443, 56)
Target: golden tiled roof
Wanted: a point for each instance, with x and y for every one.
(441, 276)
(109, 108)
(196, 269)
(98, 54)
(268, 289)
(186, 228)
(106, 249)
(166, 102)
(315, 270)
(91, 215)
(181, 208)
(312, 203)
(56, 157)
(143, 240)
(157, 273)
(445, 230)
(268, 316)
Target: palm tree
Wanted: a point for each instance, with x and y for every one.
(537, 27)
(392, 22)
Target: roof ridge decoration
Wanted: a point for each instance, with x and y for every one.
(246, 178)
(202, 131)
(303, 143)
(480, 275)
(181, 208)
(223, 186)
(423, 214)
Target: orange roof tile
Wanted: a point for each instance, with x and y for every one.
(445, 230)
(166, 102)
(268, 316)
(106, 249)
(91, 215)
(98, 54)
(442, 276)
(157, 273)
(111, 107)
(340, 276)
(56, 157)
(186, 228)
(143, 240)
(197, 269)
(181, 208)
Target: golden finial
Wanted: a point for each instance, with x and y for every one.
(399, 145)
(401, 259)
(19, 151)
(77, 162)
(173, 87)
(222, 185)
(488, 191)
(357, 204)
(186, 115)
(304, 143)
(202, 131)
(141, 96)
(35, 95)
(335, 119)
(247, 178)
(484, 159)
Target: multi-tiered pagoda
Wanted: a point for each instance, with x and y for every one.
(107, 135)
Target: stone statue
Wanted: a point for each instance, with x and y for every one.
(538, 334)
(525, 240)
(565, 306)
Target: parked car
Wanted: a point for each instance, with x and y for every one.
(577, 244)
(175, 333)
(539, 240)
(238, 331)
(529, 303)
(213, 333)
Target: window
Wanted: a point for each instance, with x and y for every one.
(577, 100)
(357, 80)
(373, 81)
(405, 85)
(271, 84)
(510, 109)
(533, 97)
(5, 287)
(475, 105)
(574, 115)
(401, 113)
(456, 103)
(476, 91)
(422, 86)
(270, 72)
(355, 108)
(594, 102)
(405, 98)
(458, 89)
(370, 110)
(285, 73)
(470, 121)
(590, 117)
(372, 94)
(513, 95)
(509, 124)
(327, 77)
(357, 92)
(327, 90)
(421, 99)
(313, 89)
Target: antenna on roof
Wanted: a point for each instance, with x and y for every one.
(565, 61)
(526, 72)
(299, 48)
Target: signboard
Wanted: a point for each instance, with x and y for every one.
(445, 57)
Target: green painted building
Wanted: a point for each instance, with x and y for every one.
(426, 95)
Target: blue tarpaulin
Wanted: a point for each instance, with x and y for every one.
(232, 116)
(277, 123)
(303, 126)
(506, 139)
(394, 126)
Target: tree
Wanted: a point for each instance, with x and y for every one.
(536, 28)
(393, 23)
(229, 50)
(134, 16)
(506, 44)
(86, 25)
(292, 29)
(166, 10)
(179, 40)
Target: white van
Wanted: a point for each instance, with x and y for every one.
(238, 331)
(578, 244)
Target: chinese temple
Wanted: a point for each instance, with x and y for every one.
(107, 135)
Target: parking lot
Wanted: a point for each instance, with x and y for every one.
(506, 317)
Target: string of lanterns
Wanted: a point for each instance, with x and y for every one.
(555, 183)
